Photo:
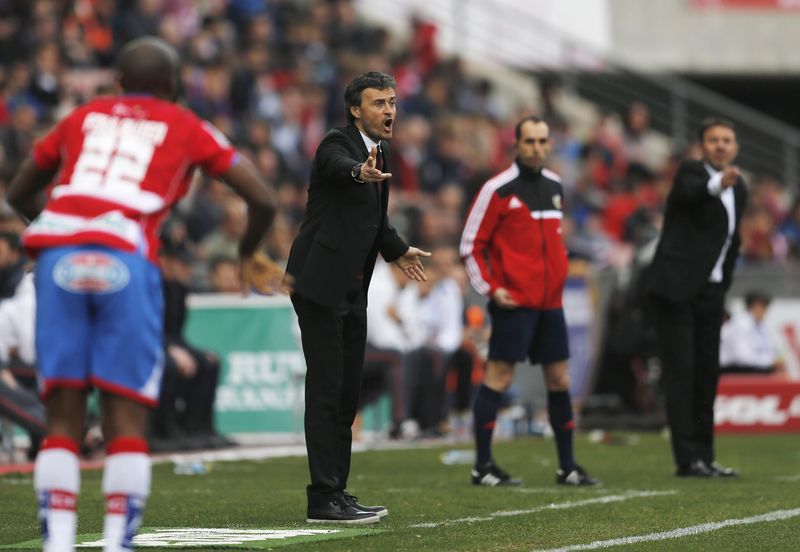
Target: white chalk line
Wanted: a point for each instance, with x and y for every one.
(551, 490)
(788, 478)
(553, 506)
(777, 515)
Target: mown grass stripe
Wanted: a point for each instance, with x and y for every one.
(777, 515)
(553, 506)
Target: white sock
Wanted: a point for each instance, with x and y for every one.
(126, 486)
(57, 481)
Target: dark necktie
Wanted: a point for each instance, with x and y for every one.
(379, 159)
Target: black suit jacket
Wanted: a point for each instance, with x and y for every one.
(344, 226)
(695, 229)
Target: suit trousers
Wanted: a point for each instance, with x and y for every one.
(333, 342)
(688, 336)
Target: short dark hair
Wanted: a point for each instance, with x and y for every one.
(756, 297)
(528, 119)
(709, 122)
(149, 64)
(352, 94)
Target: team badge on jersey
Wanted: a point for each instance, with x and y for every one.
(557, 201)
(91, 272)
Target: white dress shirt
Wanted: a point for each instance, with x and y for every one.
(728, 201)
(745, 342)
(369, 142)
(18, 321)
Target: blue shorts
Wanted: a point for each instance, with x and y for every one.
(99, 322)
(539, 335)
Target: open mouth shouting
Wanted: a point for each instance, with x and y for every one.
(387, 125)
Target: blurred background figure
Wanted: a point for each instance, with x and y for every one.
(18, 400)
(747, 346)
(184, 417)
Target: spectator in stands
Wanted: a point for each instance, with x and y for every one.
(224, 240)
(184, 416)
(746, 345)
(790, 230)
(223, 275)
(435, 326)
(387, 343)
(637, 142)
(761, 242)
(18, 402)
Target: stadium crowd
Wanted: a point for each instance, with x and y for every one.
(269, 75)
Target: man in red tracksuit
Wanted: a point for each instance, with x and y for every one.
(513, 252)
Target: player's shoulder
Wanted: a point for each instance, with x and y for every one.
(501, 179)
(191, 124)
(551, 175)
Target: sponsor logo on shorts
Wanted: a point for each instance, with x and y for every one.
(91, 272)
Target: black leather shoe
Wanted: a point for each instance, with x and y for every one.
(380, 511)
(577, 477)
(697, 468)
(338, 509)
(721, 471)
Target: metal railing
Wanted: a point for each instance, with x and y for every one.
(510, 34)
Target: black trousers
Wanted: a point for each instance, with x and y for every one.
(23, 407)
(187, 402)
(384, 371)
(688, 344)
(333, 345)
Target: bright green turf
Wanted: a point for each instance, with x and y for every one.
(417, 488)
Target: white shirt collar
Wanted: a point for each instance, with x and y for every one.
(368, 141)
(711, 170)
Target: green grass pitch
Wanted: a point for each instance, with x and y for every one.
(434, 507)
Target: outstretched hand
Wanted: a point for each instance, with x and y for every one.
(260, 274)
(411, 264)
(368, 171)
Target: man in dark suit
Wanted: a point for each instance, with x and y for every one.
(687, 281)
(328, 273)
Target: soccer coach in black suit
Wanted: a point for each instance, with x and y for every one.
(691, 271)
(328, 272)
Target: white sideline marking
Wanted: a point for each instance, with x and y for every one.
(557, 490)
(788, 478)
(559, 506)
(777, 515)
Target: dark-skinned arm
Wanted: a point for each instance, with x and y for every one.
(257, 271)
(26, 191)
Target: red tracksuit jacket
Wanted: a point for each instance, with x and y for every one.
(512, 237)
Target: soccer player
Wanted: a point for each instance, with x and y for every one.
(513, 252)
(117, 165)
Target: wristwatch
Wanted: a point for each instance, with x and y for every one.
(355, 172)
